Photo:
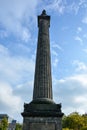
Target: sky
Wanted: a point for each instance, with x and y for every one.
(18, 44)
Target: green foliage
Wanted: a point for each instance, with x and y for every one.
(65, 129)
(85, 119)
(74, 121)
(0, 127)
(18, 126)
(4, 124)
(84, 128)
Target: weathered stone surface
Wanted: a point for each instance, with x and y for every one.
(43, 78)
(42, 113)
(42, 123)
(42, 110)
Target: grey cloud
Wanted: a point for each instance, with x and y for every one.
(16, 75)
(70, 92)
(15, 67)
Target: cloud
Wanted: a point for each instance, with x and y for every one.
(85, 50)
(3, 33)
(56, 5)
(16, 76)
(14, 19)
(63, 6)
(73, 7)
(56, 46)
(55, 62)
(8, 100)
(71, 92)
(25, 91)
(18, 20)
(79, 29)
(14, 67)
(77, 38)
(54, 53)
(80, 66)
(84, 20)
(76, 6)
(85, 35)
(65, 28)
(16, 71)
(3, 50)
(26, 35)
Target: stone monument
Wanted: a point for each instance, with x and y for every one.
(42, 113)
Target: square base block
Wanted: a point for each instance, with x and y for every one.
(42, 123)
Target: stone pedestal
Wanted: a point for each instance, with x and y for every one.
(42, 123)
(42, 115)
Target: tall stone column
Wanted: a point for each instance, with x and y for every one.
(43, 78)
(42, 113)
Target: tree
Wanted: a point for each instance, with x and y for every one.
(0, 126)
(73, 121)
(84, 128)
(65, 129)
(18, 126)
(4, 124)
(85, 119)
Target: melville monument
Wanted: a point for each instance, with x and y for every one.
(42, 113)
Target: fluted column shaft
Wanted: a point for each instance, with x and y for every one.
(43, 78)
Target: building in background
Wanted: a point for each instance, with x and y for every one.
(3, 116)
(11, 121)
(12, 125)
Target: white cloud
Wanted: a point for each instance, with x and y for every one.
(79, 29)
(14, 67)
(76, 6)
(80, 66)
(56, 46)
(84, 20)
(63, 6)
(25, 91)
(16, 75)
(55, 62)
(3, 33)
(85, 50)
(26, 35)
(73, 7)
(65, 28)
(14, 18)
(8, 100)
(54, 53)
(20, 18)
(71, 92)
(77, 38)
(56, 5)
(16, 72)
(81, 99)
(3, 50)
(85, 35)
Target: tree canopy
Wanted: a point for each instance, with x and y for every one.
(4, 124)
(74, 121)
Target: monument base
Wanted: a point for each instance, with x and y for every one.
(42, 123)
(42, 115)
